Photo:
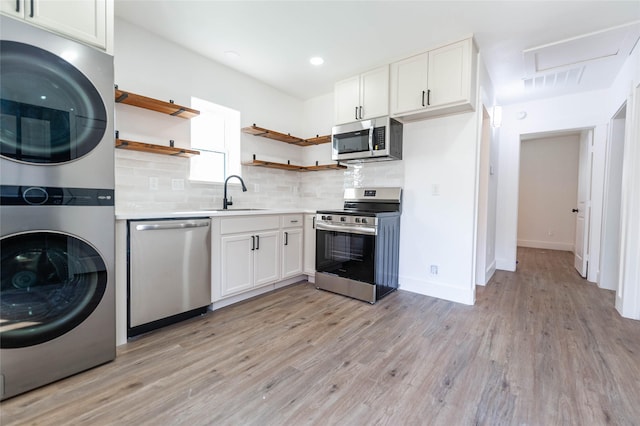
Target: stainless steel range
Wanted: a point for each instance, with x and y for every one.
(357, 249)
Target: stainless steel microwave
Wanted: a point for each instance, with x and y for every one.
(377, 139)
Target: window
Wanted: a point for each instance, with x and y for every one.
(216, 134)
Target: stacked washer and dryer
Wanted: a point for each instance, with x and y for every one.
(57, 298)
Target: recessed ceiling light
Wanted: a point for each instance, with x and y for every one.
(316, 60)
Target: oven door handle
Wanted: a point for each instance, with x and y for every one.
(364, 230)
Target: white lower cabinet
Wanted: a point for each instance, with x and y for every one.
(292, 245)
(250, 252)
(245, 254)
(248, 261)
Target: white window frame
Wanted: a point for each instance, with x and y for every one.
(230, 147)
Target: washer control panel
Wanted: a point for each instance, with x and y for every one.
(25, 195)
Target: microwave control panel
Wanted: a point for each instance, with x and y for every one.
(378, 138)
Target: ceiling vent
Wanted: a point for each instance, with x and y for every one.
(591, 60)
(560, 80)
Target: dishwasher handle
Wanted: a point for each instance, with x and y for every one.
(177, 225)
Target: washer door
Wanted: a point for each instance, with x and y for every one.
(50, 283)
(50, 112)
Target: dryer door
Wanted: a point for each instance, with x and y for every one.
(50, 112)
(50, 283)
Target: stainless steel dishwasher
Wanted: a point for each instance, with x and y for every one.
(169, 271)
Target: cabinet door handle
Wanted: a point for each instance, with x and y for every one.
(17, 5)
(31, 14)
(253, 243)
(257, 242)
(428, 96)
(286, 238)
(313, 223)
(360, 112)
(423, 92)
(356, 113)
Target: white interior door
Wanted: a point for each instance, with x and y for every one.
(583, 208)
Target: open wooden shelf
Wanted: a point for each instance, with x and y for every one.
(140, 101)
(293, 168)
(321, 167)
(287, 138)
(155, 149)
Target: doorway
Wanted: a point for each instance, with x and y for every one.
(610, 252)
(548, 190)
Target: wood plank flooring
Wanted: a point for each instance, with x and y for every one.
(540, 347)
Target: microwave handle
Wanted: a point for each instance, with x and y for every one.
(371, 138)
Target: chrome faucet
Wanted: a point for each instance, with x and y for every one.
(225, 202)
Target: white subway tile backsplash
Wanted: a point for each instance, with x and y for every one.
(267, 188)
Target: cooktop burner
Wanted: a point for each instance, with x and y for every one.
(347, 213)
(368, 202)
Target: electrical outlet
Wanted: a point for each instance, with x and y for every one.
(153, 183)
(434, 269)
(177, 184)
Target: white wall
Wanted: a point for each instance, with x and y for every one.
(487, 179)
(572, 112)
(610, 253)
(153, 67)
(438, 219)
(142, 67)
(548, 191)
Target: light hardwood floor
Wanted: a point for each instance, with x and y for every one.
(540, 347)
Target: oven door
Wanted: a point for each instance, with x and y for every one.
(346, 254)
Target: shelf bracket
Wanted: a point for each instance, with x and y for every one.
(122, 97)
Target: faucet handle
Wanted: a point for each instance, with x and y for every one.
(230, 201)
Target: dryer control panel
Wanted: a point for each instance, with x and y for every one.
(25, 195)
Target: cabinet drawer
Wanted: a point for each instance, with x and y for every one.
(291, 220)
(233, 225)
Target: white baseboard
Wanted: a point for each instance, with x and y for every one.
(439, 290)
(227, 301)
(488, 273)
(506, 265)
(549, 245)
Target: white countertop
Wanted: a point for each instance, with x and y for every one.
(204, 213)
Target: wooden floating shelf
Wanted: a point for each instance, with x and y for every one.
(287, 138)
(293, 168)
(140, 101)
(155, 149)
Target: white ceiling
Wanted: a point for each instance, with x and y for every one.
(517, 39)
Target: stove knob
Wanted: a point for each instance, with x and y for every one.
(357, 220)
(323, 217)
(364, 220)
(343, 219)
(329, 218)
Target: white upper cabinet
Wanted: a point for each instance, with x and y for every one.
(362, 97)
(436, 82)
(409, 83)
(84, 21)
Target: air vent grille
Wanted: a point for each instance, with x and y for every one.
(563, 79)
